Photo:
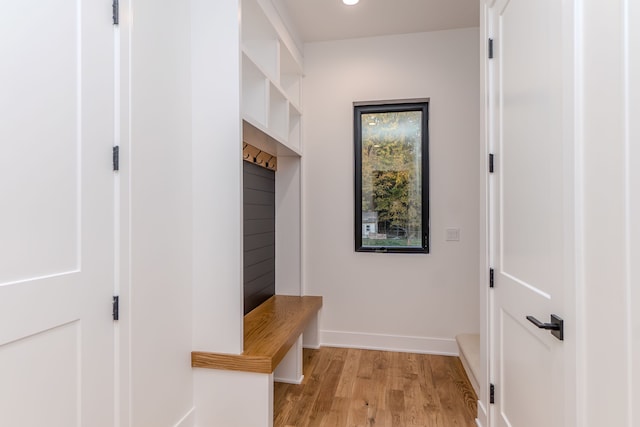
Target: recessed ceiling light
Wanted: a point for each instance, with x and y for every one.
(350, 2)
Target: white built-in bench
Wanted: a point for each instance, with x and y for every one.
(469, 345)
(237, 389)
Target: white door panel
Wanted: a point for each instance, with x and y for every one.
(530, 143)
(520, 351)
(39, 47)
(529, 209)
(56, 229)
(41, 379)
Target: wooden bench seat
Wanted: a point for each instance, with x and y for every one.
(269, 332)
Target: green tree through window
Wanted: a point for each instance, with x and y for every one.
(391, 177)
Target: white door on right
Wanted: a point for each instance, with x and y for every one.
(531, 203)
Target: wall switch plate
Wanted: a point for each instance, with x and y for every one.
(453, 234)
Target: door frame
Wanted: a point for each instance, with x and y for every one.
(122, 234)
(484, 414)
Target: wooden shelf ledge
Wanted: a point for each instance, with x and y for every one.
(269, 332)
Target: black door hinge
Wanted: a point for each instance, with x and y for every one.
(116, 12)
(116, 158)
(491, 277)
(490, 48)
(490, 163)
(116, 307)
(492, 393)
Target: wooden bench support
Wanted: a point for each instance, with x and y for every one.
(237, 389)
(290, 368)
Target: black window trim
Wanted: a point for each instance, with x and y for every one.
(360, 108)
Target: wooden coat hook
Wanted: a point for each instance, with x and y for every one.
(258, 157)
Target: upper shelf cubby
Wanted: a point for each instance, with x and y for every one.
(290, 73)
(271, 74)
(260, 40)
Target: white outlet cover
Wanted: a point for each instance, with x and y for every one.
(453, 234)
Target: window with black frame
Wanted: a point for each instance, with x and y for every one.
(392, 177)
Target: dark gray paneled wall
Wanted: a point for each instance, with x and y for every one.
(259, 235)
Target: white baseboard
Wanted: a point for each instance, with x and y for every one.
(482, 419)
(289, 381)
(189, 420)
(406, 344)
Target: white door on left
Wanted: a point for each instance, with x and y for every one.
(56, 216)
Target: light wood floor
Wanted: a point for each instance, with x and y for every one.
(354, 388)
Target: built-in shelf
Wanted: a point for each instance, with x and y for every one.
(254, 134)
(294, 128)
(254, 92)
(290, 73)
(271, 78)
(278, 114)
(259, 38)
(272, 116)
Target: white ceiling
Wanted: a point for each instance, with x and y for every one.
(321, 20)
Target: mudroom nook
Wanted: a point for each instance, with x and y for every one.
(279, 317)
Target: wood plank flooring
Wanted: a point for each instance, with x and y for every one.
(365, 388)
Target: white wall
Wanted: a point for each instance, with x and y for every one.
(393, 301)
(156, 173)
(217, 177)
